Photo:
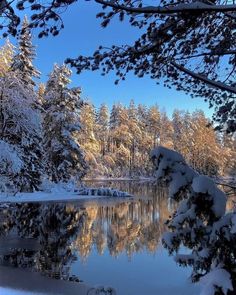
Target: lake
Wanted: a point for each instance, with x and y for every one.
(113, 242)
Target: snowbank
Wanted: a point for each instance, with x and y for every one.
(63, 192)
(42, 197)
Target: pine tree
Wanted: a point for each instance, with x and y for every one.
(64, 158)
(177, 121)
(20, 122)
(20, 127)
(87, 138)
(229, 150)
(166, 131)
(205, 147)
(135, 134)
(23, 61)
(102, 128)
(146, 142)
(154, 124)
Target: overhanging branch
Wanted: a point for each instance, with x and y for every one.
(216, 84)
(171, 9)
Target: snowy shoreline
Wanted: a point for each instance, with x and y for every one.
(64, 193)
(45, 197)
(141, 179)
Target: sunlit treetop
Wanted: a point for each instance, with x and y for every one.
(191, 45)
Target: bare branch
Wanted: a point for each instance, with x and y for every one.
(210, 53)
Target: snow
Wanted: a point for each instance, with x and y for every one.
(62, 192)
(168, 237)
(167, 154)
(177, 183)
(205, 185)
(42, 197)
(217, 277)
(171, 166)
(104, 191)
(9, 158)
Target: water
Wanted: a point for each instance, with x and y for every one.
(114, 243)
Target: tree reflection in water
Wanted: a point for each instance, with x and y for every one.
(67, 231)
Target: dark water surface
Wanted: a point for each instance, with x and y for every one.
(114, 243)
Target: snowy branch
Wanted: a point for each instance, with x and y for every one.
(171, 9)
(204, 79)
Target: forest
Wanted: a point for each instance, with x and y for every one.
(48, 129)
(117, 143)
(39, 126)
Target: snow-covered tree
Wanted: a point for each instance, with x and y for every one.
(166, 131)
(20, 127)
(23, 61)
(146, 141)
(102, 128)
(229, 149)
(136, 136)
(86, 137)
(205, 148)
(180, 138)
(154, 125)
(63, 155)
(200, 223)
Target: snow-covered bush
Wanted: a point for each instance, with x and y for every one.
(59, 187)
(200, 223)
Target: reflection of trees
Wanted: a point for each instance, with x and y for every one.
(84, 239)
(137, 228)
(125, 227)
(99, 235)
(62, 230)
(53, 226)
(58, 225)
(6, 221)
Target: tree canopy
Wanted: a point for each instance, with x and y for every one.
(191, 45)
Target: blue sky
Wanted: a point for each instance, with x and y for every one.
(82, 35)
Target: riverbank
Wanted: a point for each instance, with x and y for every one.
(15, 281)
